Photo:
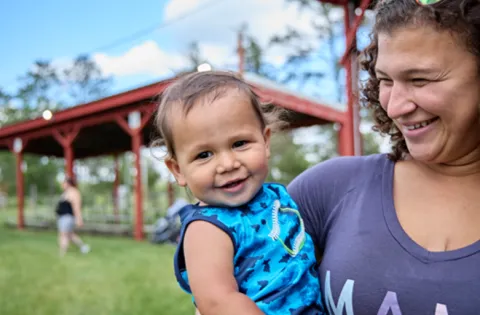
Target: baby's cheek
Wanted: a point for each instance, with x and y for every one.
(264, 165)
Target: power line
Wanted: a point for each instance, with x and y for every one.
(148, 30)
(152, 28)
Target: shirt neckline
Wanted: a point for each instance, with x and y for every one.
(404, 240)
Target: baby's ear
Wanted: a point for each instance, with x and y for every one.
(174, 168)
(266, 136)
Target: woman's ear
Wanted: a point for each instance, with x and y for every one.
(174, 168)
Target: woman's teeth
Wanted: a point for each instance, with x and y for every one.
(421, 125)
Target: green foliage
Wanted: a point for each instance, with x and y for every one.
(194, 56)
(370, 143)
(46, 86)
(85, 81)
(41, 172)
(7, 173)
(287, 158)
(54, 87)
(315, 63)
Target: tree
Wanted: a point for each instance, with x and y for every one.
(194, 58)
(253, 56)
(255, 61)
(5, 104)
(4, 97)
(33, 96)
(38, 84)
(85, 81)
(287, 158)
(315, 63)
(43, 87)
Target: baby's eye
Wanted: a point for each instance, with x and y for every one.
(203, 155)
(240, 143)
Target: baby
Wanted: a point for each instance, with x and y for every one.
(243, 248)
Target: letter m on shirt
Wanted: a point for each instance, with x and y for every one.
(344, 301)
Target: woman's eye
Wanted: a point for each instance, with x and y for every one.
(238, 144)
(420, 81)
(203, 155)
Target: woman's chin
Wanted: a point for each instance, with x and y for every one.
(423, 153)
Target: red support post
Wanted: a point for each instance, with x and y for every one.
(136, 134)
(68, 151)
(66, 141)
(345, 140)
(116, 183)
(350, 142)
(351, 32)
(136, 144)
(17, 146)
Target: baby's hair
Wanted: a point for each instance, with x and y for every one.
(188, 90)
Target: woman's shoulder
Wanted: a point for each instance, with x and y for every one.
(343, 171)
(319, 190)
(71, 193)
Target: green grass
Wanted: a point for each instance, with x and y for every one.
(120, 276)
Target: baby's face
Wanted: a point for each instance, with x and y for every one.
(221, 150)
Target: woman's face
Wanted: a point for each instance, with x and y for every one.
(430, 88)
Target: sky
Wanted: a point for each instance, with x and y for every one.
(136, 42)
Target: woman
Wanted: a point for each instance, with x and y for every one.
(399, 234)
(69, 214)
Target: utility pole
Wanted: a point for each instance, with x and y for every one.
(241, 53)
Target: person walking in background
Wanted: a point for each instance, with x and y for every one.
(69, 215)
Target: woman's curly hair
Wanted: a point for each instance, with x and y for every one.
(460, 17)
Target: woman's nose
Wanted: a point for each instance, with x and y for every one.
(399, 101)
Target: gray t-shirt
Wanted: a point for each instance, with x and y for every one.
(370, 265)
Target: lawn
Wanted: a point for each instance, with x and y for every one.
(120, 276)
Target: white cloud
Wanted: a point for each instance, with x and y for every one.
(218, 54)
(175, 9)
(145, 59)
(218, 23)
(214, 26)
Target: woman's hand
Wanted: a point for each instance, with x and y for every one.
(79, 222)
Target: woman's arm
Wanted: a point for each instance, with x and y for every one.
(76, 201)
(209, 260)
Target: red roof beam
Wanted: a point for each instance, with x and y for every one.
(302, 105)
(95, 107)
(85, 122)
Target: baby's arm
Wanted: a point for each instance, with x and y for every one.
(209, 260)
